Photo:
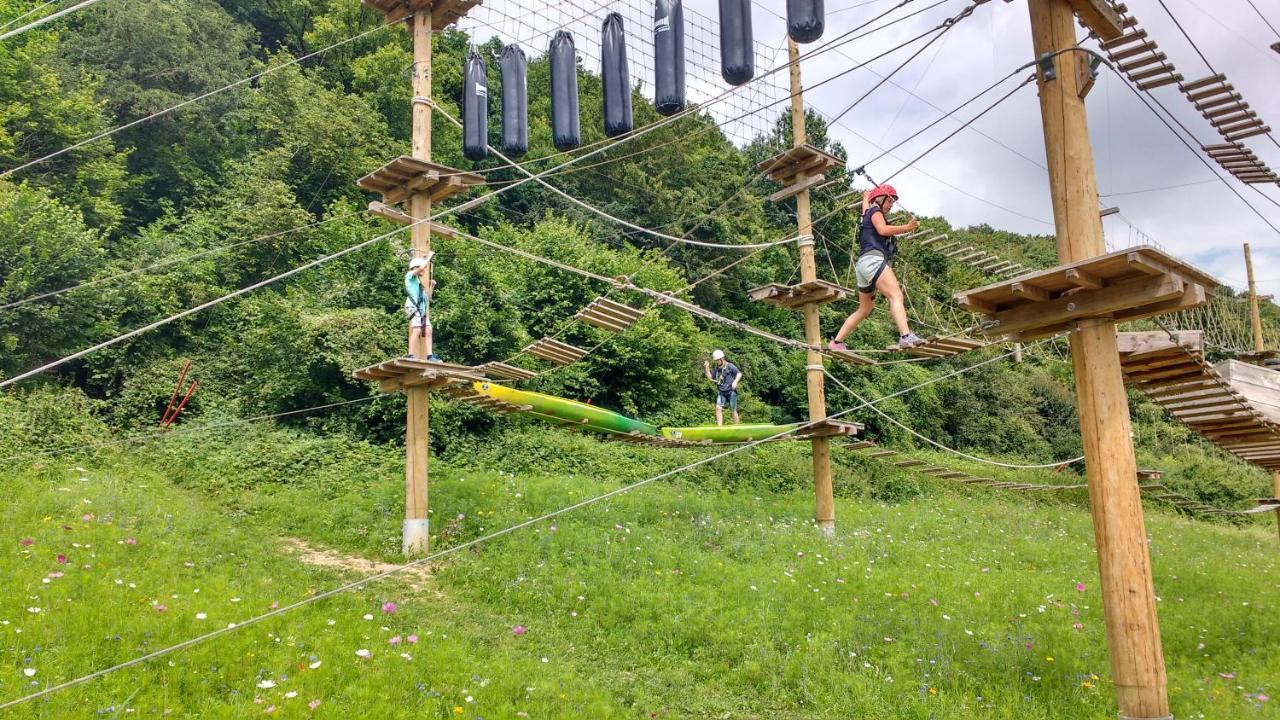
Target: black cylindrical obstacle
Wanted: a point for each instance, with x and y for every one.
(475, 107)
(805, 20)
(565, 129)
(737, 52)
(515, 100)
(615, 76)
(668, 56)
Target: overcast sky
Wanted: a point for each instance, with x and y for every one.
(994, 173)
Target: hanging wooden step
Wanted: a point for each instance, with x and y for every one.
(609, 315)
(504, 371)
(443, 12)
(882, 454)
(938, 347)
(801, 160)
(400, 373)
(794, 296)
(909, 463)
(1125, 285)
(829, 428)
(556, 352)
(405, 176)
(848, 356)
(466, 394)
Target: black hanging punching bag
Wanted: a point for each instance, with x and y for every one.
(668, 56)
(615, 76)
(515, 100)
(805, 20)
(737, 52)
(565, 129)
(475, 107)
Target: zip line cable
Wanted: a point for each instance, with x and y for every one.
(48, 18)
(32, 11)
(174, 261)
(469, 544)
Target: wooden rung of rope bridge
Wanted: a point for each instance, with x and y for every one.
(1137, 56)
(609, 315)
(939, 347)
(1238, 160)
(443, 12)
(504, 371)
(1125, 285)
(555, 351)
(1224, 108)
(405, 176)
(465, 394)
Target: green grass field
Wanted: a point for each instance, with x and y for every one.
(674, 601)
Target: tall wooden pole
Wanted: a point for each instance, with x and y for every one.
(1255, 316)
(1124, 564)
(825, 511)
(416, 532)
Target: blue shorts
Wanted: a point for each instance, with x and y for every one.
(729, 398)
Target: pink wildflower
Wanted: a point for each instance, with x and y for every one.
(412, 639)
(1079, 587)
(519, 630)
(389, 608)
(130, 541)
(161, 608)
(395, 640)
(62, 559)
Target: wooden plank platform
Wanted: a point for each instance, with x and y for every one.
(556, 352)
(1126, 285)
(609, 315)
(443, 12)
(400, 373)
(938, 347)
(805, 159)
(504, 371)
(794, 296)
(404, 176)
(829, 428)
(1260, 386)
(1178, 379)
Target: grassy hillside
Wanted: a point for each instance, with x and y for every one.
(676, 600)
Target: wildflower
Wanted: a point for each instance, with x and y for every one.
(367, 616)
(395, 640)
(62, 559)
(519, 630)
(274, 604)
(314, 665)
(363, 654)
(29, 672)
(1078, 627)
(1079, 587)
(313, 704)
(55, 574)
(291, 694)
(412, 639)
(1227, 675)
(389, 608)
(130, 541)
(457, 709)
(26, 542)
(201, 616)
(161, 608)
(266, 684)
(33, 610)
(933, 602)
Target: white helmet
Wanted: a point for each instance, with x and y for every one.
(717, 355)
(418, 262)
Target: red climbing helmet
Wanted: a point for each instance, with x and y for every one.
(880, 191)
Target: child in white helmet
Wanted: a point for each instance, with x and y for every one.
(418, 286)
(726, 376)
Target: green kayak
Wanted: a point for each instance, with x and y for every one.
(725, 433)
(568, 412)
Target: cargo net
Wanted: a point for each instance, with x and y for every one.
(750, 111)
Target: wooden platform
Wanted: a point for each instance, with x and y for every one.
(609, 315)
(400, 373)
(848, 356)
(443, 12)
(556, 352)
(1259, 385)
(794, 296)
(1125, 285)
(939, 347)
(404, 176)
(829, 428)
(1176, 377)
(805, 159)
(504, 371)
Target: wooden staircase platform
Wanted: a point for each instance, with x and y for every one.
(404, 176)
(400, 373)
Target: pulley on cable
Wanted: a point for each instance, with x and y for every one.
(805, 20)
(475, 107)
(615, 76)
(565, 129)
(737, 51)
(668, 56)
(515, 100)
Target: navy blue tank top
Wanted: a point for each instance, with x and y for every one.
(870, 240)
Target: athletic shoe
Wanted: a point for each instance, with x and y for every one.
(432, 358)
(837, 346)
(909, 340)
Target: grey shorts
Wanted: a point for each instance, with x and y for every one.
(729, 398)
(868, 270)
(417, 319)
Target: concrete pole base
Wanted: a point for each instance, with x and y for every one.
(827, 528)
(416, 536)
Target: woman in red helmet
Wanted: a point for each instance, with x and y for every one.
(876, 248)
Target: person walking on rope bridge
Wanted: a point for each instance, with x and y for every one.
(877, 244)
(418, 286)
(726, 376)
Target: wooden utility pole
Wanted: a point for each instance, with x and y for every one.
(1124, 563)
(1255, 315)
(825, 511)
(416, 532)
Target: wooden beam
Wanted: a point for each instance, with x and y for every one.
(1128, 294)
(1099, 16)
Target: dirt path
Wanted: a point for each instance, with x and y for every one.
(417, 577)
